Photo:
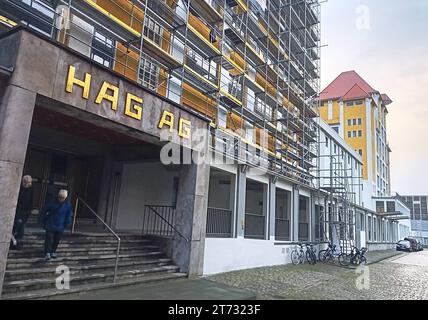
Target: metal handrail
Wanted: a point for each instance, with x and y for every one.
(168, 223)
(105, 225)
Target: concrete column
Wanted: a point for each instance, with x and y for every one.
(311, 218)
(266, 209)
(342, 120)
(191, 218)
(272, 210)
(241, 183)
(295, 214)
(232, 205)
(16, 113)
(105, 186)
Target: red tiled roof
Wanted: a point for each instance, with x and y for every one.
(387, 100)
(347, 83)
(355, 93)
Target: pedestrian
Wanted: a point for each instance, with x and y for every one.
(57, 217)
(23, 211)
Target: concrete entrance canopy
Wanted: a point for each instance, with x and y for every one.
(38, 71)
(57, 73)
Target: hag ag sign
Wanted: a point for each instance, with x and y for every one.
(121, 105)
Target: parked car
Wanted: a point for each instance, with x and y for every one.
(404, 245)
(413, 244)
(420, 246)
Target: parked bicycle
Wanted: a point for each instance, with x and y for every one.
(355, 257)
(329, 254)
(311, 255)
(298, 255)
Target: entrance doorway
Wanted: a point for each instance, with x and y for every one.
(52, 171)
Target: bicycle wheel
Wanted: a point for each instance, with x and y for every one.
(356, 260)
(310, 257)
(363, 260)
(328, 257)
(314, 257)
(345, 259)
(322, 255)
(295, 257)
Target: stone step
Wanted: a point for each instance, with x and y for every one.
(86, 236)
(46, 271)
(55, 293)
(38, 252)
(86, 242)
(14, 287)
(80, 260)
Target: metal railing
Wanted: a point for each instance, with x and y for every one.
(79, 200)
(255, 226)
(282, 229)
(160, 221)
(219, 223)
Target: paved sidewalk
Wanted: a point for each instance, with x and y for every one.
(181, 289)
(378, 256)
(396, 277)
(281, 282)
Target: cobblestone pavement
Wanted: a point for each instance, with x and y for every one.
(401, 277)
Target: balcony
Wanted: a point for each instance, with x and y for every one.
(231, 94)
(211, 10)
(255, 226)
(219, 223)
(157, 51)
(198, 41)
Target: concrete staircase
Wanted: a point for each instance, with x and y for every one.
(90, 258)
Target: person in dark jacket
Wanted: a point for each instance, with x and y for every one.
(23, 210)
(57, 217)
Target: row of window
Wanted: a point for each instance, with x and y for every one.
(354, 103)
(335, 151)
(355, 122)
(355, 133)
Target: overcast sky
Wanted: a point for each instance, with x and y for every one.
(386, 42)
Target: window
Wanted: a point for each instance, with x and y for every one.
(152, 30)
(326, 142)
(278, 146)
(360, 151)
(390, 206)
(359, 121)
(354, 122)
(359, 103)
(102, 49)
(149, 73)
(349, 134)
(354, 134)
(222, 117)
(335, 148)
(349, 122)
(251, 100)
(249, 132)
(279, 123)
(360, 133)
(209, 68)
(350, 103)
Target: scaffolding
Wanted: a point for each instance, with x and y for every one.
(342, 189)
(251, 66)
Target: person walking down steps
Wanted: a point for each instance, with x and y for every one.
(23, 211)
(57, 218)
